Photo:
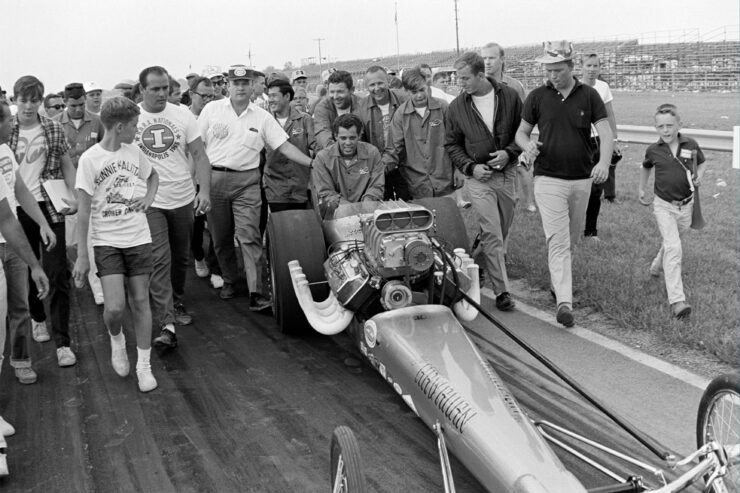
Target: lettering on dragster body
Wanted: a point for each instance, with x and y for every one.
(115, 167)
(438, 390)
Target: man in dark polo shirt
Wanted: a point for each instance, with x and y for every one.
(564, 110)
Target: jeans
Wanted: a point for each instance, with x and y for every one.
(19, 318)
(235, 210)
(196, 246)
(494, 202)
(673, 222)
(170, 230)
(562, 205)
(54, 263)
(593, 209)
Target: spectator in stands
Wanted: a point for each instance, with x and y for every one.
(376, 111)
(564, 110)
(348, 170)
(493, 56)
(235, 132)
(122, 243)
(417, 131)
(42, 153)
(53, 105)
(340, 100)
(299, 79)
(15, 264)
(82, 130)
(591, 71)
(673, 158)
(166, 134)
(94, 95)
(201, 93)
(481, 124)
(286, 182)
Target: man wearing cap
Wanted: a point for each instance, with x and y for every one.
(166, 134)
(480, 127)
(340, 100)
(82, 130)
(235, 132)
(94, 94)
(219, 84)
(299, 79)
(564, 110)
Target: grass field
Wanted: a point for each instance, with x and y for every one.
(612, 275)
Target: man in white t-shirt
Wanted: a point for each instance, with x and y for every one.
(166, 134)
(16, 270)
(480, 126)
(11, 229)
(591, 71)
(235, 132)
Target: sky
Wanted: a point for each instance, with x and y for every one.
(108, 41)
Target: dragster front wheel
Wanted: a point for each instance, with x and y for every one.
(347, 474)
(719, 420)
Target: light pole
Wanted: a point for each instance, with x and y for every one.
(457, 33)
(319, 40)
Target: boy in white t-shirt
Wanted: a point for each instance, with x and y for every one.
(106, 182)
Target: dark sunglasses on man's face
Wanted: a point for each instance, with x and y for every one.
(207, 97)
(56, 106)
(218, 82)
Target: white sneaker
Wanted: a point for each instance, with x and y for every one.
(119, 361)
(65, 356)
(201, 269)
(40, 333)
(217, 281)
(6, 429)
(99, 299)
(147, 382)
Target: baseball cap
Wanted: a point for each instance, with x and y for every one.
(554, 52)
(240, 72)
(191, 75)
(125, 84)
(92, 86)
(212, 73)
(298, 74)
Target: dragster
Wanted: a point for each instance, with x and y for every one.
(397, 278)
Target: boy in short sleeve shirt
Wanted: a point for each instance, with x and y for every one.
(107, 179)
(672, 158)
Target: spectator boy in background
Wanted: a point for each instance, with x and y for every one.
(591, 70)
(349, 170)
(673, 157)
(42, 153)
(417, 130)
(94, 94)
(122, 245)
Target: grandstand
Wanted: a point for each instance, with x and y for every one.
(668, 61)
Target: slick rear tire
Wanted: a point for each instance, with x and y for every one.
(449, 223)
(718, 419)
(347, 474)
(294, 235)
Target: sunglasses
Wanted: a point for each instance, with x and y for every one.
(219, 82)
(207, 97)
(57, 106)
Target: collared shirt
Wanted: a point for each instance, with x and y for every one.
(427, 169)
(324, 115)
(672, 173)
(235, 141)
(285, 180)
(565, 129)
(376, 124)
(364, 177)
(89, 133)
(514, 84)
(56, 147)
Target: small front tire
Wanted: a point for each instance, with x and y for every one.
(347, 473)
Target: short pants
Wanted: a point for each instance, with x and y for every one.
(133, 261)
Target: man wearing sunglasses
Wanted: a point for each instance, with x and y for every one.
(219, 85)
(53, 105)
(82, 130)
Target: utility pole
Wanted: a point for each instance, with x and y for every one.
(249, 55)
(319, 40)
(398, 50)
(457, 32)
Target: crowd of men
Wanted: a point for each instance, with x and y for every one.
(218, 151)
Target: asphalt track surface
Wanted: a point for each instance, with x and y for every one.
(241, 407)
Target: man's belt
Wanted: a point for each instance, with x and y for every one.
(221, 168)
(679, 203)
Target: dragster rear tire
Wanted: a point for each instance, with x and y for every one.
(719, 419)
(351, 477)
(294, 235)
(449, 222)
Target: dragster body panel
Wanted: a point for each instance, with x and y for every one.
(425, 354)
